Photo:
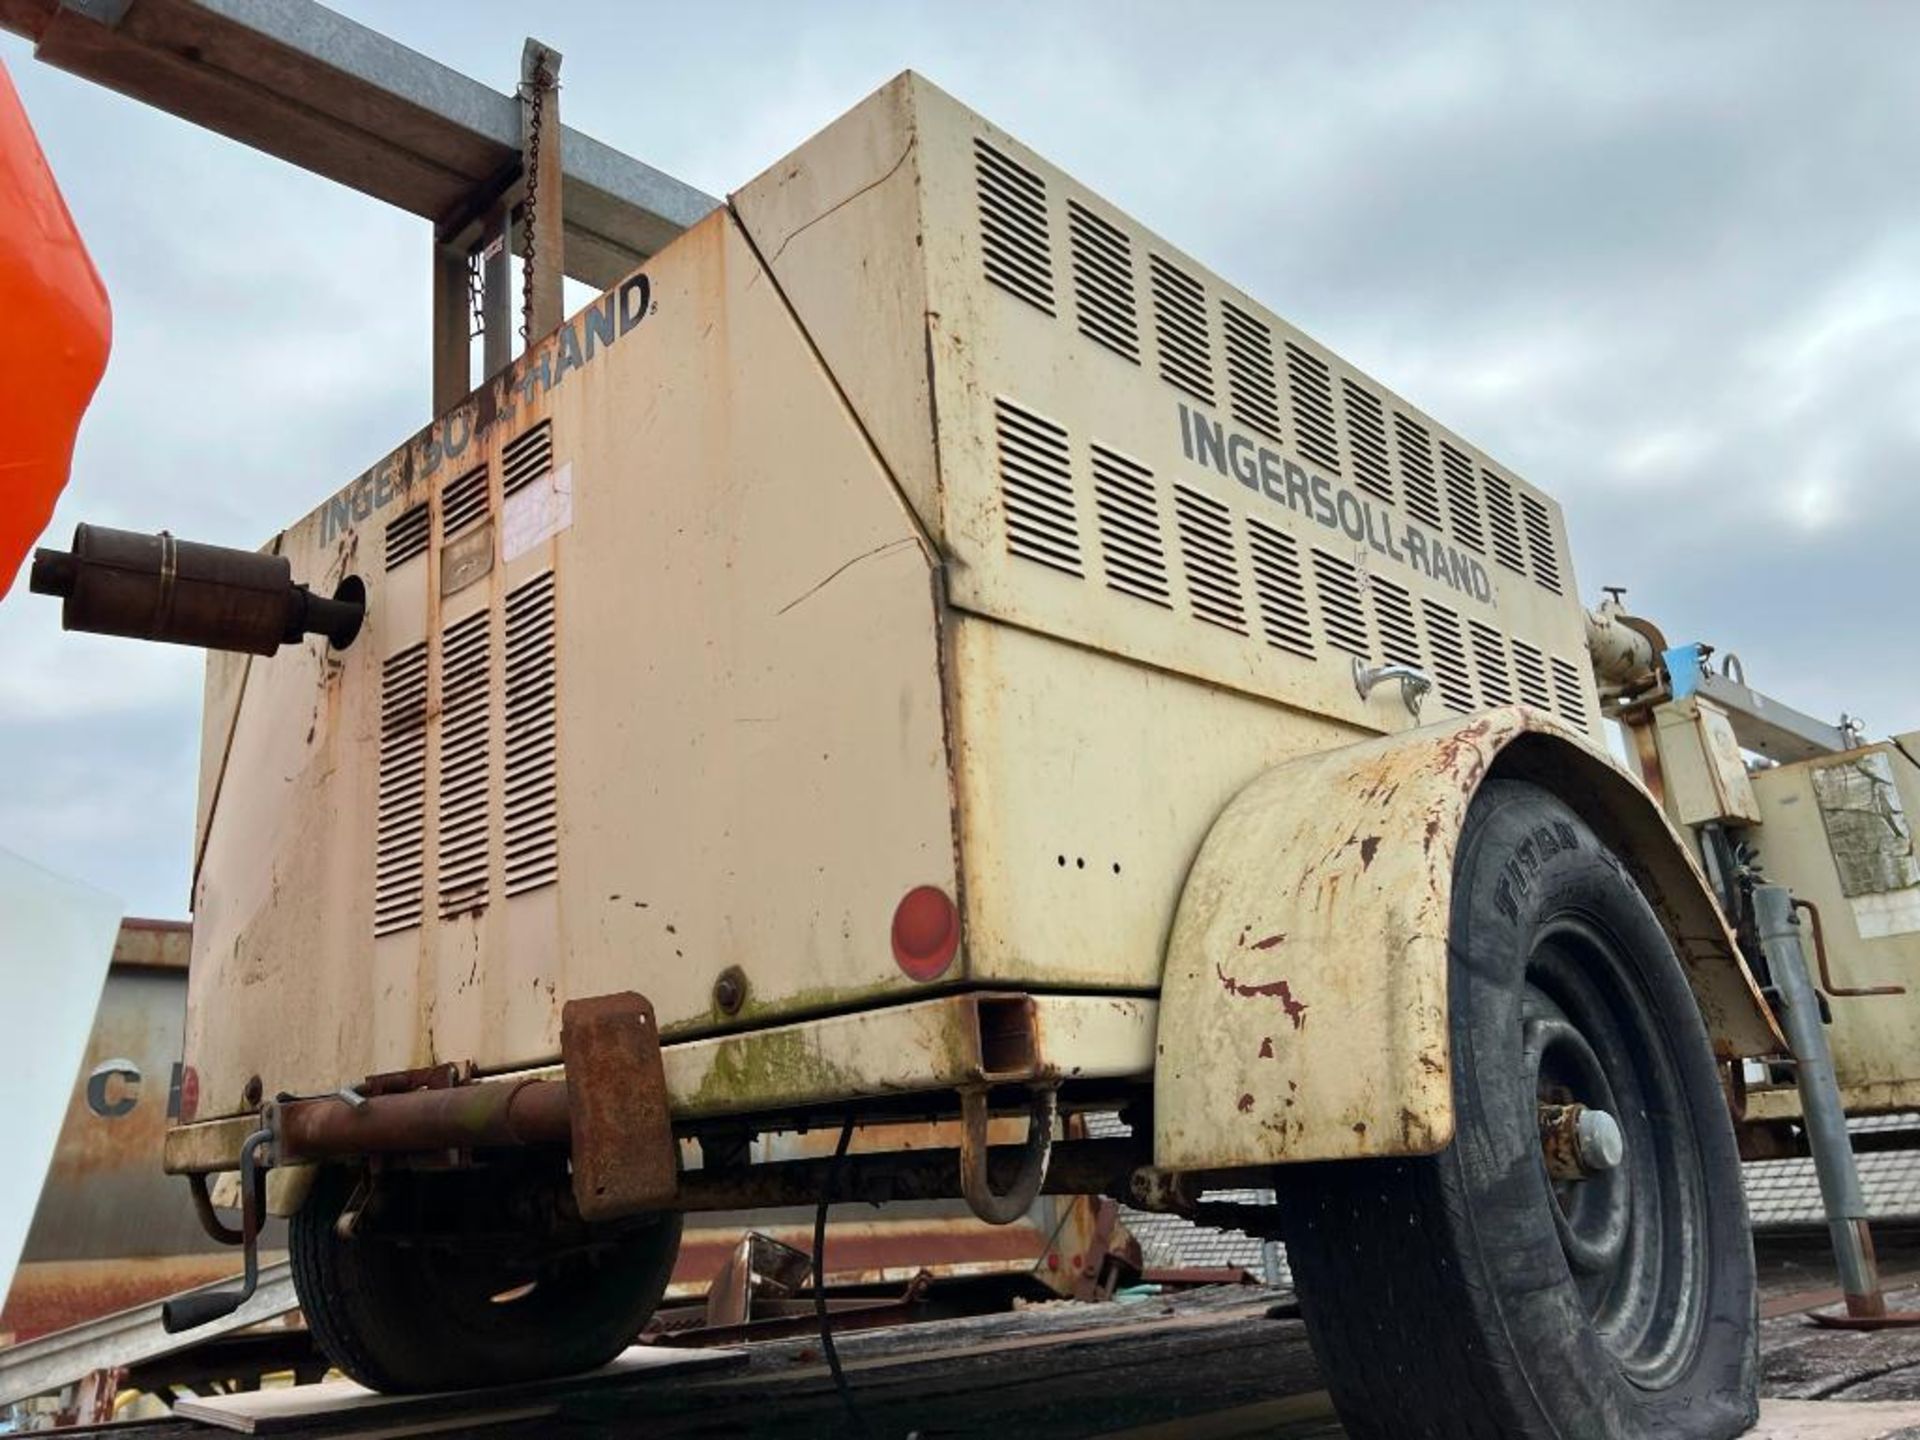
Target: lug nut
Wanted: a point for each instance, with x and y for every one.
(1579, 1142)
(1598, 1141)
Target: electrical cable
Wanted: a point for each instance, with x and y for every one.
(827, 1347)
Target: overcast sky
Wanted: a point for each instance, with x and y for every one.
(1664, 261)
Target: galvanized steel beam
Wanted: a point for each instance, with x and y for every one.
(1764, 725)
(128, 1338)
(296, 80)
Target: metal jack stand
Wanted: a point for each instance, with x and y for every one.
(1799, 1008)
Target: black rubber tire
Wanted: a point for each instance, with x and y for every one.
(1441, 1299)
(402, 1317)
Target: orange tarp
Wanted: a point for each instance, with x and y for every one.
(54, 330)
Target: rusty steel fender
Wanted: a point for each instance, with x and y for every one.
(1303, 1013)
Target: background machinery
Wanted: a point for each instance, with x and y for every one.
(919, 647)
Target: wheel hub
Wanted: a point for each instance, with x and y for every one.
(1579, 1142)
(1609, 1110)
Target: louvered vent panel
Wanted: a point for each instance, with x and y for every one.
(1490, 659)
(1367, 442)
(1569, 696)
(1311, 386)
(407, 536)
(1393, 618)
(463, 502)
(1463, 498)
(1449, 653)
(1280, 588)
(1036, 488)
(1540, 547)
(400, 823)
(1180, 328)
(1013, 227)
(466, 667)
(531, 815)
(526, 457)
(1530, 676)
(1417, 485)
(1250, 377)
(1503, 520)
(1103, 296)
(1343, 619)
(1133, 550)
(1206, 550)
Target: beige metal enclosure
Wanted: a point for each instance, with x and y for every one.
(918, 520)
(1840, 830)
(1835, 826)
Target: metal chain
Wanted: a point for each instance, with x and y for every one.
(476, 293)
(542, 82)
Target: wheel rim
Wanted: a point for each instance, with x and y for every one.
(1634, 1237)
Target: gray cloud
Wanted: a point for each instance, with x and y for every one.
(1664, 261)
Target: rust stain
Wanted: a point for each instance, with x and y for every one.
(1449, 753)
(1269, 942)
(1246, 1103)
(1266, 1048)
(1279, 989)
(1368, 848)
(1431, 1065)
(1411, 1125)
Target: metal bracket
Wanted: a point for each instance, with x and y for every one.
(1414, 682)
(625, 1159)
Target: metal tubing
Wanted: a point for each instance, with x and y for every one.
(491, 1114)
(216, 1228)
(1827, 982)
(189, 1312)
(1820, 1104)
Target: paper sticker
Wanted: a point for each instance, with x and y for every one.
(1878, 916)
(537, 511)
(1867, 827)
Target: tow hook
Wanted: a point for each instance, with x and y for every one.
(189, 1312)
(1003, 1209)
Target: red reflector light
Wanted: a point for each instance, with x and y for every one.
(189, 1093)
(926, 932)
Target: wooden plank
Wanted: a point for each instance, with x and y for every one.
(1835, 1420)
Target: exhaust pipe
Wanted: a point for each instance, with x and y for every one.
(154, 587)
